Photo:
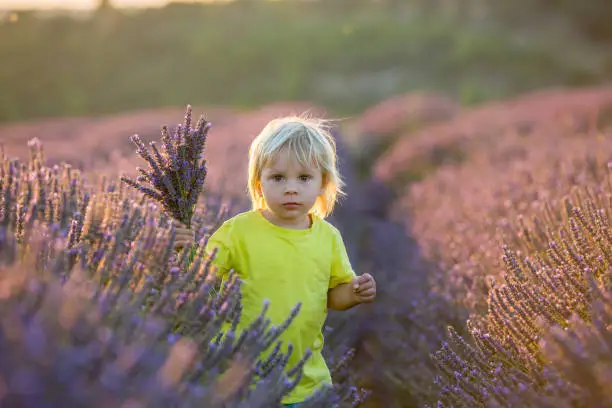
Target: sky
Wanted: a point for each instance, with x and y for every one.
(77, 4)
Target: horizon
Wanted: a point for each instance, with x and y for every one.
(78, 5)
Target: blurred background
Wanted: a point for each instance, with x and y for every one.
(90, 57)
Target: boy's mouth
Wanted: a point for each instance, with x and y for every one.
(291, 205)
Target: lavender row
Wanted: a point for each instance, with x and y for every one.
(97, 310)
(520, 232)
(548, 321)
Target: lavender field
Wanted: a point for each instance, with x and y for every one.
(487, 228)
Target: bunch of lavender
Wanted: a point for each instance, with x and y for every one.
(177, 173)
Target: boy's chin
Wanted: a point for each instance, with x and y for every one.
(290, 213)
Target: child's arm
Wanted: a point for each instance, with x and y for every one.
(220, 241)
(342, 297)
(361, 289)
(346, 289)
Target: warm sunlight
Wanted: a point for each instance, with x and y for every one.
(84, 4)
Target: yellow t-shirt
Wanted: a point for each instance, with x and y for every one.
(285, 266)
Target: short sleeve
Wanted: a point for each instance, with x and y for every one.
(221, 241)
(341, 269)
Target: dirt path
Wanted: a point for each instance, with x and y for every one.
(394, 335)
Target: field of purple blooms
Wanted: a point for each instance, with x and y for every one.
(515, 215)
(97, 309)
(492, 256)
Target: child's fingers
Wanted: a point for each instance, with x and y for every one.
(183, 237)
(366, 277)
(180, 241)
(184, 233)
(365, 286)
(368, 292)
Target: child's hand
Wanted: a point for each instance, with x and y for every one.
(184, 236)
(364, 287)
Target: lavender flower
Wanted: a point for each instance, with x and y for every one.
(176, 174)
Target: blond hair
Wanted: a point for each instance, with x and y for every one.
(310, 142)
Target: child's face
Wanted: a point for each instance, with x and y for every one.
(290, 189)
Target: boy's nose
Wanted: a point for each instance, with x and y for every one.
(290, 188)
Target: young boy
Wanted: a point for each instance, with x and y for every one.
(283, 249)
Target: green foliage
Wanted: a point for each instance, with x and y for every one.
(591, 19)
(249, 53)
